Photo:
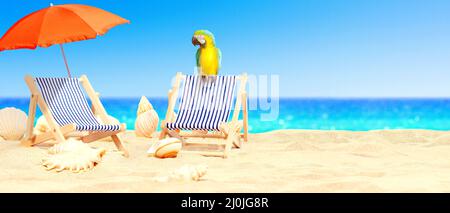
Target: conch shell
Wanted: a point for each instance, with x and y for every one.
(147, 119)
(185, 173)
(13, 123)
(72, 155)
(144, 106)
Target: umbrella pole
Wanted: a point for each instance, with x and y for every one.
(65, 60)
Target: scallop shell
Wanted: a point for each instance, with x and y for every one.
(72, 155)
(42, 125)
(146, 124)
(144, 106)
(13, 123)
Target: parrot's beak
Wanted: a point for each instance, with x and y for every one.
(195, 42)
(198, 40)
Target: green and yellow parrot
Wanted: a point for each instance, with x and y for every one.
(208, 55)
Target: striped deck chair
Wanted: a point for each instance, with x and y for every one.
(204, 110)
(66, 110)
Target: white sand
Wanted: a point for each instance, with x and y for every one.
(280, 161)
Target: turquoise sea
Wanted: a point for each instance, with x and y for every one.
(318, 114)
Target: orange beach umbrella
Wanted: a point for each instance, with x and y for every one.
(58, 25)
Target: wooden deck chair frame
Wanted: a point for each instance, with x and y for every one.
(61, 132)
(230, 133)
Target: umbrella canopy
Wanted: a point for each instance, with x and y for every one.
(58, 25)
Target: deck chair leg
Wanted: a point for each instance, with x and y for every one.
(59, 136)
(119, 145)
(27, 139)
(165, 131)
(163, 134)
(232, 132)
(228, 146)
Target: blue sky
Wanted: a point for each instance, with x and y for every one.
(319, 48)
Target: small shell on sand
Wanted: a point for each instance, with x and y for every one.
(186, 173)
(72, 155)
(41, 125)
(70, 145)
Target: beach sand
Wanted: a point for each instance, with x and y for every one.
(279, 161)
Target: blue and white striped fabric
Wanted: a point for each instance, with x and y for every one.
(68, 104)
(205, 104)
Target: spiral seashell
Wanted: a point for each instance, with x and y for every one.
(190, 173)
(144, 106)
(185, 173)
(200, 171)
(147, 119)
(146, 124)
(13, 123)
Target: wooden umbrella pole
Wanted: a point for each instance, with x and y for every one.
(65, 60)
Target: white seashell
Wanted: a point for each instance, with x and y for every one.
(166, 148)
(185, 173)
(68, 146)
(144, 106)
(188, 173)
(146, 124)
(13, 123)
(72, 155)
(42, 125)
